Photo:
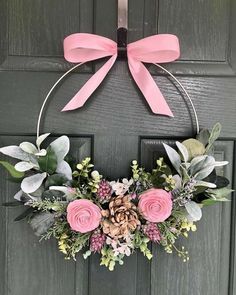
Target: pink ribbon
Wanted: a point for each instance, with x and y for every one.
(162, 48)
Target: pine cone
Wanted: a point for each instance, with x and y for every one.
(121, 218)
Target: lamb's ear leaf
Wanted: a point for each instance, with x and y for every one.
(41, 138)
(183, 150)
(193, 210)
(215, 133)
(24, 166)
(41, 222)
(11, 169)
(32, 183)
(28, 147)
(61, 147)
(203, 136)
(174, 157)
(64, 168)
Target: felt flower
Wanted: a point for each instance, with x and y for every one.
(83, 215)
(120, 188)
(155, 205)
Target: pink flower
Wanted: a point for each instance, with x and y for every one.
(83, 215)
(155, 205)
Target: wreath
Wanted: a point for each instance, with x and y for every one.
(87, 212)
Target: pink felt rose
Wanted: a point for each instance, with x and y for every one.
(155, 205)
(83, 215)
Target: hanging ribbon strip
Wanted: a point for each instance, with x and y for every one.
(162, 48)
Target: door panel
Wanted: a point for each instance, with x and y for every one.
(114, 127)
(207, 271)
(32, 267)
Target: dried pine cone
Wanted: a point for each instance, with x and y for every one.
(121, 218)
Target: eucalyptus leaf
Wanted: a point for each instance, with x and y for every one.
(48, 163)
(174, 157)
(183, 150)
(32, 183)
(193, 210)
(195, 147)
(12, 170)
(41, 138)
(41, 222)
(61, 147)
(203, 136)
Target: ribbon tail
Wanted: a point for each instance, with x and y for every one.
(90, 86)
(148, 87)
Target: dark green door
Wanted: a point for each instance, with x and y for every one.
(114, 127)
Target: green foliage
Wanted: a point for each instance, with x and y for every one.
(48, 163)
(194, 147)
(203, 136)
(161, 177)
(174, 157)
(215, 133)
(109, 259)
(141, 176)
(11, 169)
(141, 243)
(55, 180)
(41, 222)
(27, 213)
(49, 205)
(12, 204)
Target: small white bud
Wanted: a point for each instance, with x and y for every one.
(95, 174)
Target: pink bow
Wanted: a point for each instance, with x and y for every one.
(162, 48)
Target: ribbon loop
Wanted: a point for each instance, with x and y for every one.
(162, 48)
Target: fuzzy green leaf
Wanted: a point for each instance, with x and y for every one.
(174, 157)
(11, 169)
(215, 133)
(219, 193)
(55, 180)
(48, 163)
(41, 222)
(203, 136)
(183, 150)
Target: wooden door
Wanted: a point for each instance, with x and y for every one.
(114, 127)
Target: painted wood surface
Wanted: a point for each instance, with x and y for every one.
(114, 127)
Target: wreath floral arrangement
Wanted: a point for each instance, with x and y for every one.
(86, 212)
